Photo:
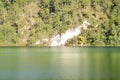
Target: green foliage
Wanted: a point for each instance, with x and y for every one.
(98, 43)
(39, 19)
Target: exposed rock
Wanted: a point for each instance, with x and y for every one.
(60, 39)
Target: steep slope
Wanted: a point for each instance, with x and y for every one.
(26, 22)
(61, 39)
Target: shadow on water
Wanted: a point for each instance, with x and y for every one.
(63, 63)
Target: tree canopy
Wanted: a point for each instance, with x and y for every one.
(23, 22)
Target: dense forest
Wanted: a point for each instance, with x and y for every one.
(23, 22)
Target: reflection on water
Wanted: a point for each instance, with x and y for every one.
(69, 64)
(60, 63)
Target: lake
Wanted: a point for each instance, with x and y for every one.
(60, 63)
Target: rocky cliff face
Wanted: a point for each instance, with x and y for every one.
(61, 39)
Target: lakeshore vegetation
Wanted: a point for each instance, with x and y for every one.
(23, 22)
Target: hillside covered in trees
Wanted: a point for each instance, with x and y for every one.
(23, 22)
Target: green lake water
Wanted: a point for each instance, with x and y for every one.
(62, 63)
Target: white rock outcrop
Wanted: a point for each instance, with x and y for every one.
(60, 39)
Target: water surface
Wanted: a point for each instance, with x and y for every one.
(76, 63)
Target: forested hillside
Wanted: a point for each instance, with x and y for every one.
(23, 22)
